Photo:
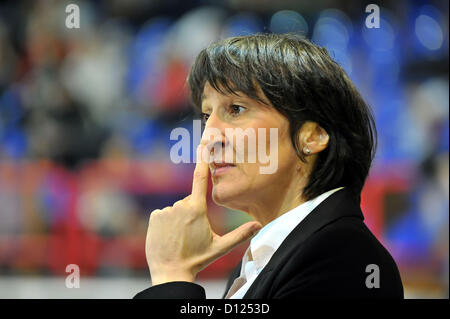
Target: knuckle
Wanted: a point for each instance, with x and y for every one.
(166, 209)
(155, 214)
(179, 204)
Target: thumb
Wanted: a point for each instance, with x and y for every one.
(228, 241)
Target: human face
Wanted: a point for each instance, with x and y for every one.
(242, 185)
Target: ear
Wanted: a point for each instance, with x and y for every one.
(313, 138)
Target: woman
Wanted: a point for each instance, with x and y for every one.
(312, 241)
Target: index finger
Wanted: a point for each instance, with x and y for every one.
(201, 175)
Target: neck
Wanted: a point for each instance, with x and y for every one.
(276, 201)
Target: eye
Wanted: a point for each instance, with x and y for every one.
(205, 117)
(236, 109)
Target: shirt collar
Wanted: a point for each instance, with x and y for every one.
(271, 236)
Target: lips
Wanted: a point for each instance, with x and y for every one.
(217, 165)
(220, 168)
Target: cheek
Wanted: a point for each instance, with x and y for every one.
(286, 151)
(251, 178)
(277, 149)
(264, 151)
(249, 172)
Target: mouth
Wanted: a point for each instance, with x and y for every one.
(221, 168)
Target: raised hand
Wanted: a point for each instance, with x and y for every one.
(180, 241)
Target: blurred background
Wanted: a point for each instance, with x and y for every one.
(86, 115)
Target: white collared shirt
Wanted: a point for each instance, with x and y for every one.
(266, 242)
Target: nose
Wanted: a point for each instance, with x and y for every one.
(214, 135)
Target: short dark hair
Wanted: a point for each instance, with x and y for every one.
(303, 83)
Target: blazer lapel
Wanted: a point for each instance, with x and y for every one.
(232, 277)
(340, 204)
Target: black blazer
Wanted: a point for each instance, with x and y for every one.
(325, 256)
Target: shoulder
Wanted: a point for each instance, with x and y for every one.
(338, 259)
(345, 230)
(349, 245)
(347, 236)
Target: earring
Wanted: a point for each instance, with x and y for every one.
(306, 150)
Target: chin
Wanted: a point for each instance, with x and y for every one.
(225, 194)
